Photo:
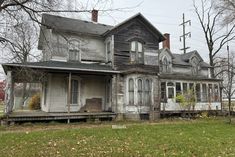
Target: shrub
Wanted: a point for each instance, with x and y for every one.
(34, 103)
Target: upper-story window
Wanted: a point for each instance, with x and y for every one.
(74, 50)
(108, 51)
(195, 65)
(137, 54)
(165, 65)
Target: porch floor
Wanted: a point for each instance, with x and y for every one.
(17, 116)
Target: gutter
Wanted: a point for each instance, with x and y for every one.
(60, 68)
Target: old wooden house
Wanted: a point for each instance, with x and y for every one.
(90, 68)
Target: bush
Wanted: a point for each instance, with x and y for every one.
(34, 103)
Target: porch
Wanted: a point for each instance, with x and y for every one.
(35, 116)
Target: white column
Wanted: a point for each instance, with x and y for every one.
(9, 93)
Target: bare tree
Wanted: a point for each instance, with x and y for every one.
(228, 7)
(225, 69)
(214, 30)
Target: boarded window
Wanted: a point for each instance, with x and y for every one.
(147, 92)
(131, 91)
(198, 92)
(163, 92)
(74, 92)
(140, 92)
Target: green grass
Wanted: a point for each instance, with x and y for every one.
(166, 138)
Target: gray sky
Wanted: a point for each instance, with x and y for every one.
(165, 15)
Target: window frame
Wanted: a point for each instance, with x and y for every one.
(74, 50)
(131, 91)
(135, 52)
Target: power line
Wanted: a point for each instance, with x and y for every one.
(188, 34)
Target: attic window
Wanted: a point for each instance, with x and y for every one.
(137, 54)
(74, 50)
(165, 65)
(195, 65)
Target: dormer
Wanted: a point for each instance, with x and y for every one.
(165, 60)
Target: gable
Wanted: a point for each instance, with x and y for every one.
(141, 26)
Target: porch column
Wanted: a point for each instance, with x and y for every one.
(9, 93)
(118, 96)
(154, 113)
(69, 94)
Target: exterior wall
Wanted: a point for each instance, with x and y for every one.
(92, 87)
(172, 105)
(55, 46)
(57, 86)
(135, 108)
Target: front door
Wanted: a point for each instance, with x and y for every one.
(171, 98)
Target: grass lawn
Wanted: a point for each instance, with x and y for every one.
(167, 138)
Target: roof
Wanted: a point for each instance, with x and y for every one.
(68, 66)
(139, 15)
(183, 59)
(181, 76)
(74, 25)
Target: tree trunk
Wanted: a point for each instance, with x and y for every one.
(229, 109)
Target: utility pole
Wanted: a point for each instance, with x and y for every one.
(188, 34)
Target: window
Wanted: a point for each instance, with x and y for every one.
(74, 50)
(131, 91)
(74, 92)
(195, 65)
(178, 89)
(198, 92)
(204, 93)
(140, 92)
(163, 92)
(185, 88)
(108, 50)
(210, 93)
(45, 93)
(216, 89)
(165, 65)
(137, 54)
(170, 92)
(147, 92)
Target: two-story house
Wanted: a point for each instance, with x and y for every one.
(92, 67)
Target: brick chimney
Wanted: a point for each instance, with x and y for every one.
(94, 15)
(166, 43)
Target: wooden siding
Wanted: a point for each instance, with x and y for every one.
(134, 30)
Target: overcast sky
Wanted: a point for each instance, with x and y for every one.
(165, 15)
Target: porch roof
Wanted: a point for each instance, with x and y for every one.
(62, 66)
(187, 77)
